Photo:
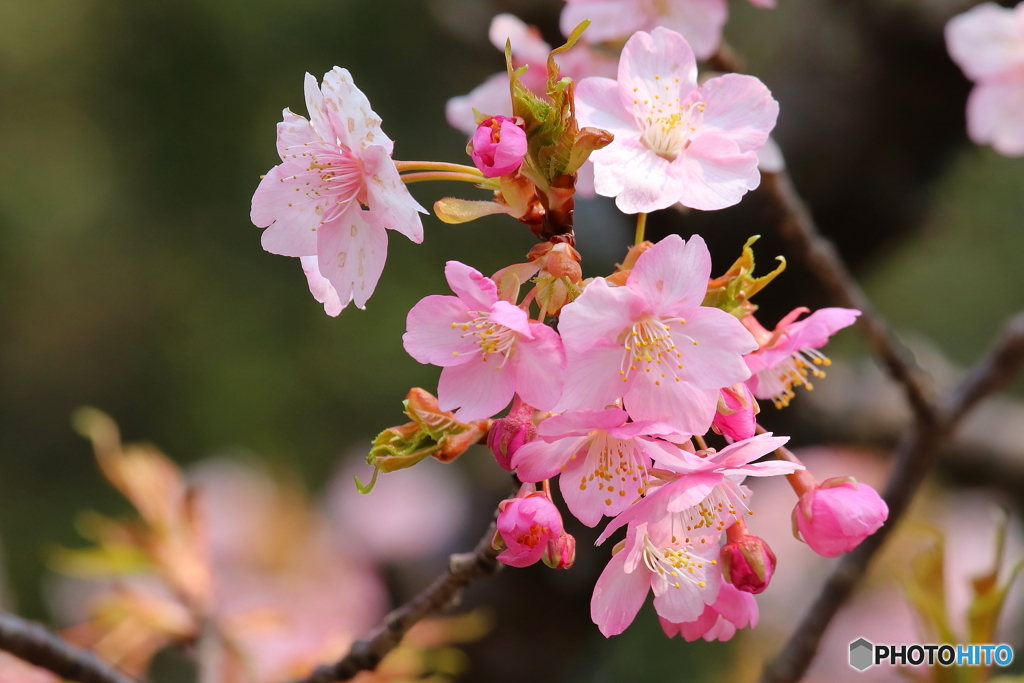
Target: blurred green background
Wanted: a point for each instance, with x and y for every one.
(133, 133)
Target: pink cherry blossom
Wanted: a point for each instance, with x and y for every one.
(733, 610)
(651, 342)
(530, 527)
(683, 580)
(693, 499)
(736, 416)
(787, 356)
(603, 459)
(674, 141)
(312, 203)
(498, 146)
(489, 349)
(834, 517)
(987, 42)
(529, 49)
(699, 21)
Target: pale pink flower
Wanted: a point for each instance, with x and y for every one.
(694, 499)
(733, 610)
(736, 416)
(787, 357)
(987, 42)
(834, 517)
(674, 141)
(651, 342)
(312, 203)
(489, 349)
(683, 581)
(498, 146)
(602, 457)
(531, 528)
(529, 49)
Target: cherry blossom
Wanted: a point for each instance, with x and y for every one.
(530, 528)
(734, 609)
(748, 563)
(675, 141)
(789, 356)
(651, 342)
(683, 580)
(603, 459)
(498, 146)
(987, 43)
(312, 203)
(835, 516)
(489, 349)
(736, 416)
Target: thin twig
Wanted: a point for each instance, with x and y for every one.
(443, 592)
(36, 645)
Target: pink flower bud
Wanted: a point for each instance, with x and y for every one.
(747, 561)
(498, 146)
(511, 432)
(736, 413)
(527, 527)
(838, 514)
(561, 552)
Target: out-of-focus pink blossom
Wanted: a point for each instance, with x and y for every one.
(498, 146)
(651, 342)
(602, 458)
(490, 350)
(789, 355)
(736, 413)
(683, 581)
(529, 49)
(733, 610)
(834, 517)
(747, 561)
(14, 670)
(675, 141)
(512, 432)
(699, 21)
(311, 204)
(987, 42)
(530, 527)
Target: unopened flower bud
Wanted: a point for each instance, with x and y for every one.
(511, 432)
(735, 416)
(561, 552)
(530, 529)
(835, 516)
(498, 146)
(747, 561)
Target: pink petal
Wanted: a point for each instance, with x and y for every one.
(655, 67)
(351, 251)
(743, 452)
(618, 596)
(490, 97)
(592, 380)
(599, 316)
(293, 133)
(318, 117)
(430, 337)
(540, 366)
(354, 122)
(672, 274)
(527, 45)
(598, 104)
(693, 630)
(995, 116)
(736, 607)
(699, 21)
(610, 19)
(320, 287)
(477, 292)
(640, 180)
(679, 495)
(769, 468)
(589, 498)
(388, 197)
(685, 406)
(740, 108)
(479, 388)
(986, 41)
(582, 422)
(289, 214)
(514, 318)
(716, 360)
(682, 604)
(714, 173)
(539, 459)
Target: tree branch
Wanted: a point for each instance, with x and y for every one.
(36, 645)
(443, 592)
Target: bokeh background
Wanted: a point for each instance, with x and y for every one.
(133, 133)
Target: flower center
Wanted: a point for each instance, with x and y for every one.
(341, 179)
(616, 464)
(794, 371)
(675, 565)
(489, 336)
(648, 347)
(531, 539)
(666, 132)
(710, 517)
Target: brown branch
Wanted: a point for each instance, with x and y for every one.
(915, 456)
(443, 592)
(36, 645)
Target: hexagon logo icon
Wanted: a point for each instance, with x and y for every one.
(862, 654)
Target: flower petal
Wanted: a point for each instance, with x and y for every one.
(714, 173)
(655, 68)
(672, 274)
(684, 405)
(320, 287)
(539, 459)
(618, 596)
(354, 122)
(290, 214)
(430, 337)
(351, 251)
(477, 292)
(540, 366)
(592, 380)
(640, 180)
(387, 195)
(598, 104)
(740, 108)
(599, 316)
(995, 112)
(715, 361)
(609, 19)
(986, 41)
(479, 388)
(699, 21)
(582, 422)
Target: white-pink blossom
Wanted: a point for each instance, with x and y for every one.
(675, 141)
(335, 193)
(489, 349)
(651, 342)
(987, 42)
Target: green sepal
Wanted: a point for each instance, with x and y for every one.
(732, 291)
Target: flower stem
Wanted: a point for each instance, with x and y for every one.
(446, 175)
(547, 489)
(641, 226)
(436, 166)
